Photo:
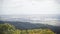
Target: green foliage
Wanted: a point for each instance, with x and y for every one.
(7, 29)
(40, 31)
(10, 29)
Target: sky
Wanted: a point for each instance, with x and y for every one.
(28, 7)
(18, 7)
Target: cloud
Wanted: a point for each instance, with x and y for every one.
(45, 7)
(58, 1)
(10, 7)
(16, 7)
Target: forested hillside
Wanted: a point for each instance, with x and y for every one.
(30, 26)
(10, 29)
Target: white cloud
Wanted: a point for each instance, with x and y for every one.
(45, 7)
(29, 7)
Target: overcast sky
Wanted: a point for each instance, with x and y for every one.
(17, 7)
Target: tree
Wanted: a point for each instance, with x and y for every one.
(46, 31)
(8, 29)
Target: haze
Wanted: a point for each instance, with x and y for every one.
(18, 7)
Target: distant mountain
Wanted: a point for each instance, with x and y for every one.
(27, 25)
(53, 19)
(24, 25)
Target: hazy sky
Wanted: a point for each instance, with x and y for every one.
(9, 7)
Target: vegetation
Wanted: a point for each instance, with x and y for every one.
(7, 29)
(10, 29)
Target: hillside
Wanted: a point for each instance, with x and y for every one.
(27, 25)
